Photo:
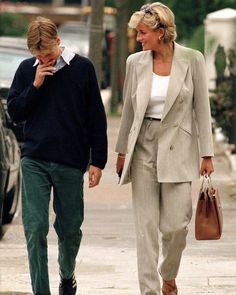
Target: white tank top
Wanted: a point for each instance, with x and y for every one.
(158, 96)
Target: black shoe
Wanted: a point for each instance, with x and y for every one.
(68, 286)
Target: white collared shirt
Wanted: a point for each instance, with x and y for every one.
(64, 59)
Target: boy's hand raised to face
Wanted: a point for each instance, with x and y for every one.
(42, 71)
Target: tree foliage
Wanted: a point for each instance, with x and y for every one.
(12, 25)
(222, 106)
(190, 14)
(223, 98)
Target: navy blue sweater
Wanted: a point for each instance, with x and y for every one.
(65, 120)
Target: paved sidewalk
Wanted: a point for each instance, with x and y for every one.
(107, 260)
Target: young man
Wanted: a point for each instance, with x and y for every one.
(57, 95)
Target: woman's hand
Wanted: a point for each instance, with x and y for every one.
(206, 166)
(120, 163)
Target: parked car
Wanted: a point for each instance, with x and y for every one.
(75, 36)
(12, 51)
(10, 175)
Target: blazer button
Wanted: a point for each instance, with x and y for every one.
(171, 147)
(181, 100)
(175, 124)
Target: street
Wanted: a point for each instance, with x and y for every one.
(106, 263)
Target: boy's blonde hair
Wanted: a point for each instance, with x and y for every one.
(156, 15)
(41, 35)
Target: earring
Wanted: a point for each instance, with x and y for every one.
(160, 38)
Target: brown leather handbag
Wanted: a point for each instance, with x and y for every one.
(209, 217)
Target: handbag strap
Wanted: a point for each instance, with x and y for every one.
(207, 179)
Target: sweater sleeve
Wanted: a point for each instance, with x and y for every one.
(97, 124)
(21, 97)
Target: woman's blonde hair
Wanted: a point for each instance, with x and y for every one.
(41, 35)
(156, 15)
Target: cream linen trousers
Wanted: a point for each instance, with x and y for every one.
(158, 207)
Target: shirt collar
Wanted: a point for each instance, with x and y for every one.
(66, 55)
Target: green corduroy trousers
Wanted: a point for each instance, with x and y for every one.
(39, 179)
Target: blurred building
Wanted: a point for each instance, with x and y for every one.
(60, 11)
(220, 29)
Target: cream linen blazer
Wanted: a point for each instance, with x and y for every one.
(185, 128)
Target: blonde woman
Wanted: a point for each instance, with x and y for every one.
(165, 127)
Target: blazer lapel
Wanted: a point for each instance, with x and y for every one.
(177, 76)
(144, 77)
